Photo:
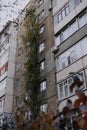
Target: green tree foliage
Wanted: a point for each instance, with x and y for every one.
(32, 72)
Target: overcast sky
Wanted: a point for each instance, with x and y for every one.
(9, 10)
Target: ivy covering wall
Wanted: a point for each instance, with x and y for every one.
(32, 68)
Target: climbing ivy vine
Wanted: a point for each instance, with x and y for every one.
(32, 68)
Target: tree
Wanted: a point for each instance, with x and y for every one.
(32, 68)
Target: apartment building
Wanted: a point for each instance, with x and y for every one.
(7, 68)
(62, 55)
(46, 57)
(70, 49)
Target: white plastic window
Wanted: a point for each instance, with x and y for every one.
(43, 107)
(42, 29)
(42, 65)
(42, 86)
(41, 46)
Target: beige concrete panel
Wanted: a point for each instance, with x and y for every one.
(61, 75)
(8, 104)
(12, 55)
(49, 61)
(9, 86)
(11, 69)
(77, 66)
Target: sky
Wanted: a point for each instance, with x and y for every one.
(10, 9)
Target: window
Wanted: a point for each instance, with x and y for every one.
(27, 115)
(82, 20)
(61, 14)
(72, 54)
(70, 29)
(41, 46)
(3, 84)
(42, 29)
(67, 9)
(59, 17)
(40, 2)
(4, 68)
(42, 65)
(41, 15)
(73, 28)
(55, 18)
(64, 87)
(44, 107)
(65, 34)
(6, 42)
(42, 86)
(4, 57)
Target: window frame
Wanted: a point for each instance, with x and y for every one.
(43, 86)
(63, 96)
(42, 29)
(42, 65)
(78, 45)
(41, 46)
(44, 107)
